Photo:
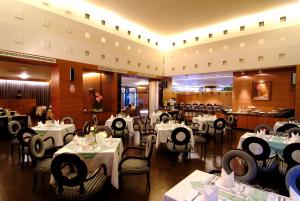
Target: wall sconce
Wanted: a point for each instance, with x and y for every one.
(260, 72)
(242, 73)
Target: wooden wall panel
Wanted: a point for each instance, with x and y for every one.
(297, 98)
(220, 98)
(22, 106)
(282, 94)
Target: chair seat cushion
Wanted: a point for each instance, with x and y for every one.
(14, 141)
(92, 187)
(135, 166)
(43, 166)
(179, 148)
(199, 139)
(144, 139)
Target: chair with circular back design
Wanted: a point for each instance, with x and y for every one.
(68, 120)
(219, 125)
(292, 179)
(268, 129)
(267, 159)
(119, 128)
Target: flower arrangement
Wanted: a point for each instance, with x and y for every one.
(97, 105)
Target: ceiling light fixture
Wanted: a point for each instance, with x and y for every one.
(24, 76)
(243, 73)
(260, 72)
(140, 83)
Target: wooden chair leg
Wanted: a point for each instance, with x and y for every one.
(148, 180)
(34, 181)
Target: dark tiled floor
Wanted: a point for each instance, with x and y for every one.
(16, 183)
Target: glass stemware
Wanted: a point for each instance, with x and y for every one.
(245, 190)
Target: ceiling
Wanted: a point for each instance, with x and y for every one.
(12, 70)
(133, 81)
(170, 17)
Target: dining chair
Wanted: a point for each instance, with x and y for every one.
(219, 125)
(73, 180)
(68, 120)
(285, 127)
(13, 129)
(266, 158)
(24, 135)
(164, 117)
(230, 120)
(144, 135)
(293, 130)
(137, 165)
(179, 142)
(105, 129)
(68, 138)
(288, 158)
(268, 129)
(241, 163)
(200, 136)
(40, 160)
(87, 127)
(293, 119)
(119, 128)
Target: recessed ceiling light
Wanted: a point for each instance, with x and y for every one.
(24, 76)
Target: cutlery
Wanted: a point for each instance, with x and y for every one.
(198, 194)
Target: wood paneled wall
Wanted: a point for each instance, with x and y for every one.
(67, 103)
(282, 93)
(22, 106)
(220, 98)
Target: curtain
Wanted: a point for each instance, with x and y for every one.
(9, 89)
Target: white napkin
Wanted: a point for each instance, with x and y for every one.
(40, 124)
(56, 122)
(211, 194)
(262, 132)
(227, 180)
(76, 138)
(293, 195)
(153, 113)
(112, 116)
(182, 123)
(128, 117)
(191, 195)
(295, 137)
(85, 147)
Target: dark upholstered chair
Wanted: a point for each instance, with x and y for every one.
(164, 117)
(87, 127)
(219, 125)
(200, 136)
(119, 128)
(137, 165)
(67, 120)
(41, 162)
(287, 159)
(179, 142)
(267, 160)
(24, 135)
(239, 161)
(73, 180)
(268, 129)
(293, 130)
(13, 129)
(68, 138)
(285, 127)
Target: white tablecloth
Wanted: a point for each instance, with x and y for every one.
(201, 120)
(110, 154)
(154, 117)
(281, 123)
(195, 181)
(57, 132)
(165, 130)
(129, 123)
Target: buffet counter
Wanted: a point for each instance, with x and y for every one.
(248, 120)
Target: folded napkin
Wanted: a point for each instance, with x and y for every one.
(85, 147)
(293, 195)
(262, 131)
(112, 116)
(40, 124)
(295, 137)
(56, 122)
(153, 113)
(76, 138)
(210, 193)
(128, 117)
(227, 180)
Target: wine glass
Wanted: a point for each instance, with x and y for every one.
(245, 190)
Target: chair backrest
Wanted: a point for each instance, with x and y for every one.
(150, 131)
(24, 135)
(194, 126)
(292, 178)
(256, 141)
(68, 120)
(286, 127)
(164, 117)
(68, 138)
(290, 155)
(118, 124)
(22, 119)
(231, 163)
(105, 129)
(293, 119)
(87, 127)
(180, 136)
(268, 129)
(74, 163)
(149, 147)
(293, 130)
(123, 114)
(230, 119)
(219, 124)
(128, 110)
(14, 127)
(3, 124)
(205, 127)
(37, 147)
